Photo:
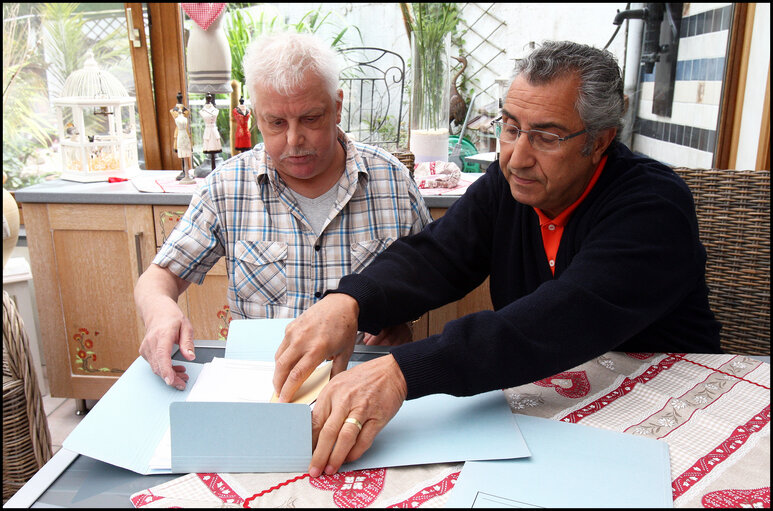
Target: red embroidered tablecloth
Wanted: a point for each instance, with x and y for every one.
(712, 410)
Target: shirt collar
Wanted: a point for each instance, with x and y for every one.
(562, 218)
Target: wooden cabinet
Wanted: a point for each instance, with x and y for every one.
(476, 300)
(86, 259)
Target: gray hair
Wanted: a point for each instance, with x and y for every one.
(280, 62)
(600, 102)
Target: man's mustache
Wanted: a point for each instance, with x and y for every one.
(301, 152)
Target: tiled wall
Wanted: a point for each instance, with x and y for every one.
(688, 137)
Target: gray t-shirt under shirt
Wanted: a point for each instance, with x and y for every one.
(317, 209)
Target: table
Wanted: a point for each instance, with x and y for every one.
(712, 410)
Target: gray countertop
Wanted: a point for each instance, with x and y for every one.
(71, 192)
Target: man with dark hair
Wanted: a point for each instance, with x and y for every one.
(589, 248)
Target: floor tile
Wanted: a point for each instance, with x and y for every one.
(62, 421)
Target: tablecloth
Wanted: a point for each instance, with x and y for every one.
(712, 410)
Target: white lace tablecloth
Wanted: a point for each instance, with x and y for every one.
(712, 410)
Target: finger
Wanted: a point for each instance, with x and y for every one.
(186, 340)
(328, 434)
(295, 376)
(340, 362)
(364, 440)
(285, 342)
(347, 437)
(180, 370)
(162, 360)
(319, 415)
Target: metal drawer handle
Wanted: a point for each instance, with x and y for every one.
(138, 248)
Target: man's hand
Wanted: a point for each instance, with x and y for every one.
(156, 296)
(390, 336)
(168, 327)
(324, 331)
(371, 393)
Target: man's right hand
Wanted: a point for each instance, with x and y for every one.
(326, 330)
(155, 296)
(167, 327)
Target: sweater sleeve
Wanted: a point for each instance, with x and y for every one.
(436, 266)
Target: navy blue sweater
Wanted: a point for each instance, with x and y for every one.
(629, 276)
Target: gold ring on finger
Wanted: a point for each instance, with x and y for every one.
(352, 420)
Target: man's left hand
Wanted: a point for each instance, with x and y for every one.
(371, 393)
(390, 336)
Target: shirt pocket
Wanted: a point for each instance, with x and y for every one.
(363, 252)
(260, 271)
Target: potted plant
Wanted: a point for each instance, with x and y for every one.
(430, 26)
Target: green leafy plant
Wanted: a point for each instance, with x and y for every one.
(242, 28)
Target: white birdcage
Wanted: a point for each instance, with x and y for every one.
(97, 126)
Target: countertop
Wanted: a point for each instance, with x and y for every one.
(125, 192)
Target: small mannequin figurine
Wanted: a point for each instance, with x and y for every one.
(211, 141)
(241, 114)
(182, 139)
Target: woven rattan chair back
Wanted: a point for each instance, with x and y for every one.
(733, 209)
(26, 438)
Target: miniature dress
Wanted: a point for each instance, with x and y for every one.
(242, 140)
(211, 141)
(183, 140)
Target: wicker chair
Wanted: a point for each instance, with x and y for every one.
(26, 438)
(733, 209)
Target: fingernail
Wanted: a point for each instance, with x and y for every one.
(315, 472)
(168, 380)
(191, 353)
(180, 387)
(329, 470)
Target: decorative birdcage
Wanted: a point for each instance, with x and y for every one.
(97, 126)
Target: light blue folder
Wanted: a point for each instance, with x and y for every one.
(571, 465)
(127, 424)
(240, 437)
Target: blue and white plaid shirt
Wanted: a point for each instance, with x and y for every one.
(277, 266)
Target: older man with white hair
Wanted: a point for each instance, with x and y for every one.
(292, 216)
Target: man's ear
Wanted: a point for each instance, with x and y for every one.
(603, 139)
(339, 104)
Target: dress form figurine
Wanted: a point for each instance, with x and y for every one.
(182, 139)
(211, 141)
(241, 114)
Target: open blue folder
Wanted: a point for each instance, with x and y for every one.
(126, 425)
(571, 465)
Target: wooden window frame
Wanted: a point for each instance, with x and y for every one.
(158, 78)
(734, 89)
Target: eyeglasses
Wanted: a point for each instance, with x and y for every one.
(540, 140)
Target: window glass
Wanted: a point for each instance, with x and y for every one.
(43, 44)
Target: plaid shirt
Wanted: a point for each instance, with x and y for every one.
(277, 266)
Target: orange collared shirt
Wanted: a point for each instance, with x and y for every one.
(553, 228)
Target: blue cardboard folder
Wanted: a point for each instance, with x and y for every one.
(125, 427)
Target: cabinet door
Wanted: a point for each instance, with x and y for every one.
(206, 305)
(86, 259)
(476, 300)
